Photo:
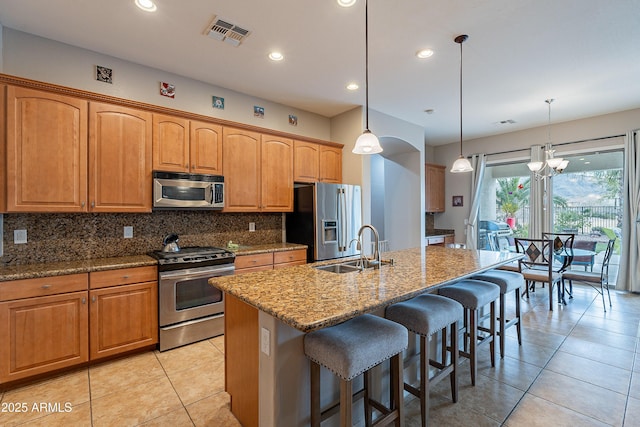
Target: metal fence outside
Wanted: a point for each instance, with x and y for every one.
(577, 219)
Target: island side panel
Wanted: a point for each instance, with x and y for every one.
(241, 349)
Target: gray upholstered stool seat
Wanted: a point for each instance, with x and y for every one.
(473, 295)
(508, 281)
(350, 349)
(425, 315)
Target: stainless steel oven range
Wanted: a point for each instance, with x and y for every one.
(189, 308)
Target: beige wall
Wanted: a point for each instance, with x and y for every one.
(29, 56)
(577, 130)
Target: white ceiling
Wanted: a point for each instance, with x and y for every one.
(583, 53)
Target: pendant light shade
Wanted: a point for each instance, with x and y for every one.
(367, 143)
(462, 164)
(552, 165)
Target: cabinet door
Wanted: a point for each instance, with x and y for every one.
(434, 199)
(123, 318)
(277, 174)
(120, 159)
(170, 143)
(206, 148)
(46, 152)
(241, 168)
(42, 334)
(330, 164)
(306, 161)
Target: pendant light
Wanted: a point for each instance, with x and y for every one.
(367, 143)
(462, 164)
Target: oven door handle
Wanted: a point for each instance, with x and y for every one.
(195, 273)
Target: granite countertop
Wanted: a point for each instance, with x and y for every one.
(308, 299)
(266, 248)
(31, 271)
(438, 232)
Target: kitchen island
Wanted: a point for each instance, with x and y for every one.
(268, 313)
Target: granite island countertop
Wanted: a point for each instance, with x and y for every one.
(32, 271)
(307, 299)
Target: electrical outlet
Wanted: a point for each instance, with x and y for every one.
(19, 237)
(128, 232)
(252, 226)
(265, 346)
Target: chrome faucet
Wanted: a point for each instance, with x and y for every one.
(376, 249)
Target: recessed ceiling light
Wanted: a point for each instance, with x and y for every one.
(276, 56)
(346, 3)
(424, 53)
(146, 5)
(352, 86)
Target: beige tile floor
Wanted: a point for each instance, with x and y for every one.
(577, 366)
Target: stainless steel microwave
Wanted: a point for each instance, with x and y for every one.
(173, 190)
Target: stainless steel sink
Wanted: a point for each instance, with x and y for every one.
(347, 267)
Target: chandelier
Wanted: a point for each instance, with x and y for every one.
(552, 165)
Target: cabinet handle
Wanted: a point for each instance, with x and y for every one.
(193, 166)
(186, 166)
(82, 204)
(93, 298)
(84, 300)
(93, 204)
(45, 286)
(126, 276)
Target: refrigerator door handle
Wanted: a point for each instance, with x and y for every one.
(342, 214)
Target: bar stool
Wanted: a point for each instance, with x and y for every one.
(473, 295)
(350, 349)
(507, 281)
(425, 315)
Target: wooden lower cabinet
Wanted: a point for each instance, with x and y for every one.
(51, 323)
(269, 260)
(289, 258)
(241, 359)
(43, 334)
(123, 318)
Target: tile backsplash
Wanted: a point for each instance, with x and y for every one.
(70, 237)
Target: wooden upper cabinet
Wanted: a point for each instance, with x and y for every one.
(306, 161)
(241, 166)
(120, 159)
(46, 152)
(330, 169)
(277, 174)
(170, 143)
(316, 162)
(206, 148)
(434, 187)
(181, 145)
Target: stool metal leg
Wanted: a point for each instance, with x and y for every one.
(502, 322)
(492, 330)
(518, 328)
(424, 379)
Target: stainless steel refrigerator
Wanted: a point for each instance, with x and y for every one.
(325, 217)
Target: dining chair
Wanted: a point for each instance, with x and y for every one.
(563, 245)
(593, 279)
(585, 260)
(538, 266)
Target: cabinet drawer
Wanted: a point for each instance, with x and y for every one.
(436, 241)
(289, 256)
(123, 276)
(248, 261)
(43, 286)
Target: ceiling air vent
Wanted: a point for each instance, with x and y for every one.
(223, 30)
